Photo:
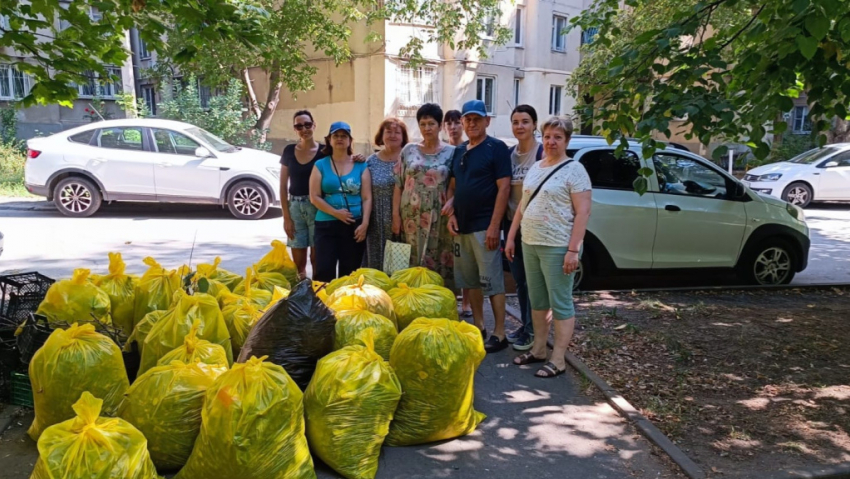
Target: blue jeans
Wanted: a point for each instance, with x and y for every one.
(518, 272)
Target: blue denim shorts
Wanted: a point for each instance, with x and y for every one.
(476, 267)
(548, 286)
(304, 216)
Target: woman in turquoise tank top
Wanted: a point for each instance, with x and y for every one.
(342, 192)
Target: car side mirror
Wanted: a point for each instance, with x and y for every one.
(202, 152)
(831, 164)
(740, 191)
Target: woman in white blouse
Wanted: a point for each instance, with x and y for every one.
(553, 213)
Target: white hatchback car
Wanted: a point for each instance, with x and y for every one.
(150, 160)
(821, 174)
(694, 217)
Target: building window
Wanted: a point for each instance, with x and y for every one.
(518, 26)
(559, 35)
(204, 93)
(95, 14)
(415, 86)
(588, 35)
(149, 97)
(485, 91)
(107, 88)
(14, 84)
(144, 53)
(555, 93)
(516, 92)
(490, 27)
(4, 24)
(802, 122)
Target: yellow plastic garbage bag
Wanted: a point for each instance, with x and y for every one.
(141, 331)
(240, 315)
(266, 280)
(75, 300)
(417, 276)
(428, 301)
(320, 289)
(170, 331)
(353, 326)
(121, 289)
(155, 289)
(277, 295)
(348, 406)
(214, 287)
(259, 297)
(228, 279)
(435, 360)
(195, 349)
(252, 427)
(278, 261)
(165, 405)
(93, 447)
(71, 362)
(359, 295)
(372, 276)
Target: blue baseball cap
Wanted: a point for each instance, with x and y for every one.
(474, 107)
(339, 125)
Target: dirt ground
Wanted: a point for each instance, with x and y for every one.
(745, 382)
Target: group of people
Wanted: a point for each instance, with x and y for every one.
(453, 202)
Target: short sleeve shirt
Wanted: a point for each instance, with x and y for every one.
(476, 171)
(299, 175)
(548, 220)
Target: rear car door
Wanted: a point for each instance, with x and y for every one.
(117, 157)
(178, 172)
(698, 224)
(624, 221)
(835, 180)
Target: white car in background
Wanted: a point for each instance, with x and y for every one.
(822, 174)
(150, 160)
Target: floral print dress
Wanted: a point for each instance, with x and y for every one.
(423, 179)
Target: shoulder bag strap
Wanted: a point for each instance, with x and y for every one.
(341, 188)
(534, 195)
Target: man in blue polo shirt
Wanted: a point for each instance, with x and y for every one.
(480, 186)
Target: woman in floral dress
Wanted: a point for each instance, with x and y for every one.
(420, 193)
(392, 136)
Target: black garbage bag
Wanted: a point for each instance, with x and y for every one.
(294, 333)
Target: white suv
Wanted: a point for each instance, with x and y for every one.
(150, 160)
(695, 216)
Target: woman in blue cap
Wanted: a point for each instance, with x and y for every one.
(341, 189)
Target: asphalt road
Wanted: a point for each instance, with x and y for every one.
(40, 238)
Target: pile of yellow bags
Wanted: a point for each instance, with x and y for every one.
(240, 315)
(435, 360)
(121, 290)
(228, 279)
(165, 405)
(354, 325)
(417, 276)
(171, 330)
(278, 261)
(264, 280)
(371, 276)
(252, 427)
(155, 289)
(259, 297)
(427, 301)
(75, 300)
(90, 446)
(209, 272)
(349, 405)
(195, 349)
(71, 362)
(362, 296)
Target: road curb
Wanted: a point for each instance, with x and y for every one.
(816, 286)
(840, 471)
(625, 409)
(27, 207)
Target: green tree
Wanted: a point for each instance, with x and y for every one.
(729, 68)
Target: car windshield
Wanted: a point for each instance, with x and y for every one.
(812, 156)
(216, 142)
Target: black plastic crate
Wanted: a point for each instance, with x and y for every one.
(20, 295)
(33, 335)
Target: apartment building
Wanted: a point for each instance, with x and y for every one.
(40, 120)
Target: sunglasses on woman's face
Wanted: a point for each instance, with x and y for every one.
(300, 126)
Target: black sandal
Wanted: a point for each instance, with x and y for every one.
(549, 370)
(528, 358)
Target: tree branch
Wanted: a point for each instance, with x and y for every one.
(743, 29)
(252, 95)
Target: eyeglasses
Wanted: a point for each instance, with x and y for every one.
(301, 126)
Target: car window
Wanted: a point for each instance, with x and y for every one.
(843, 159)
(84, 137)
(609, 172)
(121, 138)
(680, 175)
(168, 141)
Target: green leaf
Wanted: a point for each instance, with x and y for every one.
(203, 285)
(645, 172)
(800, 5)
(640, 185)
(808, 46)
(817, 25)
(844, 26)
(720, 152)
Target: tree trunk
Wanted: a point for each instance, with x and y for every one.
(840, 132)
(252, 95)
(264, 119)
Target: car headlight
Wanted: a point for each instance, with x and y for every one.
(274, 171)
(770, 177)
(796, 212)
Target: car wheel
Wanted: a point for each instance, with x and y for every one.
(772, 263)
(247, 200)
(798, 194)
(77, 197)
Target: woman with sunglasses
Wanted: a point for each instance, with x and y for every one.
(420, 194)
(341, 189)
(299, 214)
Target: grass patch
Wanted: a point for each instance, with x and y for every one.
(12, 161)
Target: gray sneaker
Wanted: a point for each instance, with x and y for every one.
(524, 343)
